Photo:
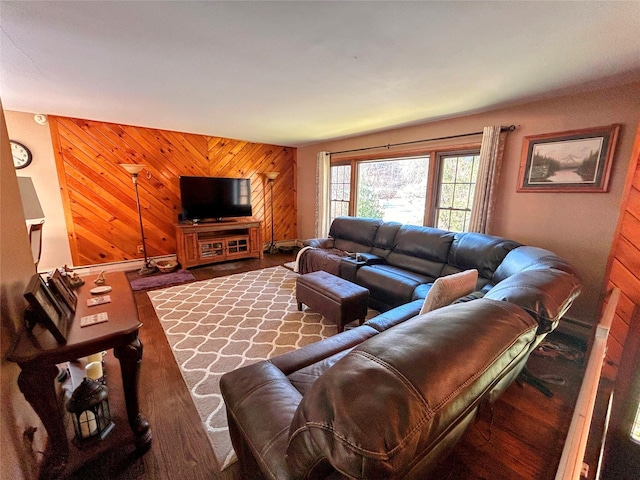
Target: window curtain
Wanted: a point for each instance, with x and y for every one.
(491, 153)
(323, 171)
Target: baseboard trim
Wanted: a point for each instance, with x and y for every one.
(122, 266)
(283, 243)
(578, 329)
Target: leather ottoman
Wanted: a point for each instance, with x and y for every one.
(336, 299)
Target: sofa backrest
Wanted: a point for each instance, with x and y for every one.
(354, 234)
(421, 249)
(536, 279)
(378, 411)
(478, 251)
(385, 238)
(539, 281)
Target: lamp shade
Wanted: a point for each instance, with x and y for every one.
(132, 168)
(271, 175)
(30, 203)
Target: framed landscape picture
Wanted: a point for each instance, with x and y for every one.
(46, 308)
(572, 161)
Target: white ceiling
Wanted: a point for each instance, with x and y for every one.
(294, 73)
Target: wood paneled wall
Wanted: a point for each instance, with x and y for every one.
(99, 197)
(624, 265)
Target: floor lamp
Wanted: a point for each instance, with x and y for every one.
(271, 176)
(134, 169)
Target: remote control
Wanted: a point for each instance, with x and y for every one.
(93, 319)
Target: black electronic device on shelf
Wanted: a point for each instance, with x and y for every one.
(214, 198)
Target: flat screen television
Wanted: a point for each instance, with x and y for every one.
(214, 198)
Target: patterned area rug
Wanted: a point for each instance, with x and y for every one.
(218, 325)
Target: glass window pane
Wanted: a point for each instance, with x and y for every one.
(456, 190)
(394, 190)
(457, 221)
(446, 195)
(443, 219)
(449, 170)
(461, 196)
(635, 428)
(465, 169)
(339, 191)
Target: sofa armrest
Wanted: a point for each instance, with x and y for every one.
(397, 315)
(319, 242)
(545, 293)
(296, 359)
(371, 259)
(261, 403)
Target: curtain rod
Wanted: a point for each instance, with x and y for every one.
(510, 128)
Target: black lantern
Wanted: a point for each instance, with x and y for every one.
(89, 408)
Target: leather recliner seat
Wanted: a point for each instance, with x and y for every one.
(352, 406)
(390, 398)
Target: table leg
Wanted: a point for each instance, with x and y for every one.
(38, 387)
(130, 356)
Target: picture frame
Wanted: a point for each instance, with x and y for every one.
(46, 308)
(62, 290)
(571, 161)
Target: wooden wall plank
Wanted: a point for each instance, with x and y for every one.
(623, 268)
(236, 158)
(99, 196)
(626, 281)
(628, 254)
(633, 202)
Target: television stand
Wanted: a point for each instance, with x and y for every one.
(205, 243)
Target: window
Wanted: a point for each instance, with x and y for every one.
(410, 188)
(635, 428)
(393, 189)
(456, 187)
(340, 191)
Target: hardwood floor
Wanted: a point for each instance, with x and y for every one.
(521, 437)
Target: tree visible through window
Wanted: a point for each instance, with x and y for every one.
(458, 175)
(393, 189)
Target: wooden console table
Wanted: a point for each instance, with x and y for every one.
(37, 353)
(204, 243)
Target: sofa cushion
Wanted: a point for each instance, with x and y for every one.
(378, 411)
(530, 258)
(545, 293)
(395, 316)
(384, 239)
(389, 285)
(421, 249)
(354, 234)
(303, 378)
(476, 250)
(447, 289)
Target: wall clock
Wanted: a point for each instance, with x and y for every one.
(21, 154)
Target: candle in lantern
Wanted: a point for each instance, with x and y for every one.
(94, 370)
(88, 423)
(96, 357)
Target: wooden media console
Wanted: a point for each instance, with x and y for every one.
(204, 243)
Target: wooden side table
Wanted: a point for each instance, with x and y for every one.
(37, 353)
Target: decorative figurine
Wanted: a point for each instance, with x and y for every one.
(101, 280)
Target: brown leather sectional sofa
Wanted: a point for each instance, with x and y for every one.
(390, 398)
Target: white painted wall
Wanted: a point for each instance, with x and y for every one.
(55, 244)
